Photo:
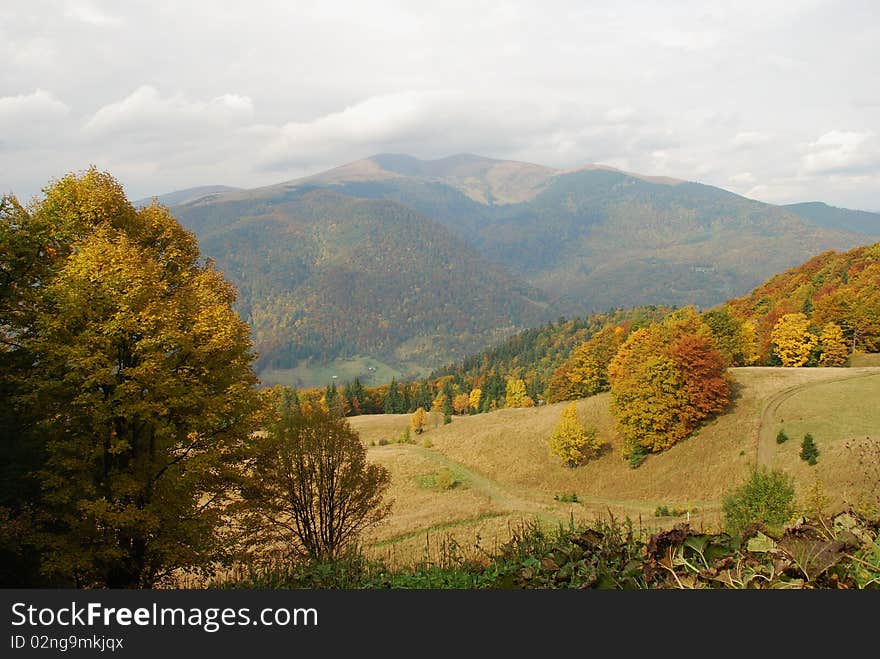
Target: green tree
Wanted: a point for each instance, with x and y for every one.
(393, 399)
(137, 385)
(572, 441)
(809, 450)
(767, 498)
(310, 486)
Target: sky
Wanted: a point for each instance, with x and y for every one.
(778, 101)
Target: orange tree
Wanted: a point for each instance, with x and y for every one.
(665, 380)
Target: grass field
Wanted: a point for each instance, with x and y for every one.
(507, 474)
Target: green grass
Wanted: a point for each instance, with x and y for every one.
(833, 411)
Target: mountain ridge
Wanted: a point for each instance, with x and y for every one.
(581, 241)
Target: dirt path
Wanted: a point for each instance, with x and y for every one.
(766, 438)
(512, 502)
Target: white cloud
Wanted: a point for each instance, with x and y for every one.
(843, 151)
(40, 105)
(145, 110)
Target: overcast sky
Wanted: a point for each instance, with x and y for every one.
(776, 100)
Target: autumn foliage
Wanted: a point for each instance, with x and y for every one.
(843, 288)
(572, 441)
(585, 372)
(666, 379)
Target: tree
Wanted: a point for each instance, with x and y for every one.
(419, 420)
(310, 486)
(792, 339)
(393, 400)
(475, 398)
(136, 385)
(516, 393)
(767, 498)
(666, 379)
(585, 372)
(809, 450)
(423, 396)
(572, 441)
(835, 352)
(461, 403)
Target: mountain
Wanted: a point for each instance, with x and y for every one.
(595, 237)
(203, 192)
(416, 262)
(323, 276)
(833, 217)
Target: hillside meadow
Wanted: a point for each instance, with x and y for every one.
(502, 472)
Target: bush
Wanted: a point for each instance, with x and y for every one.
(765, 498)
(781, 437)
(666, 511)
(383, 442)
(567, 498)
(809, 450)
(445, 479)
(427, 443)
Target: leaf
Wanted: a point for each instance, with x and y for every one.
(762, 543)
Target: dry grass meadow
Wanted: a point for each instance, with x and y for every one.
(502, 472)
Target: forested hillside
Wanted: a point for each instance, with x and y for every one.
(323, 275)
(839, 288)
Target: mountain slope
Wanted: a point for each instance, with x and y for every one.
(322, 275)
(325, 276)
(596, 237)
(833, 217)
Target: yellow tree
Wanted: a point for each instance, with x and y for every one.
(793, 340)
(461, 403)
(475, 399)
(749, 342)
(516, 393)
(419, 420)
(572, 441)
(835, 352)
(140, 376)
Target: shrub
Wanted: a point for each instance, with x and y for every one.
(781, 437)
(567, 498)
(383, 442)
(445, 479)
(809, 450)
(427, 443)
(765, 498)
